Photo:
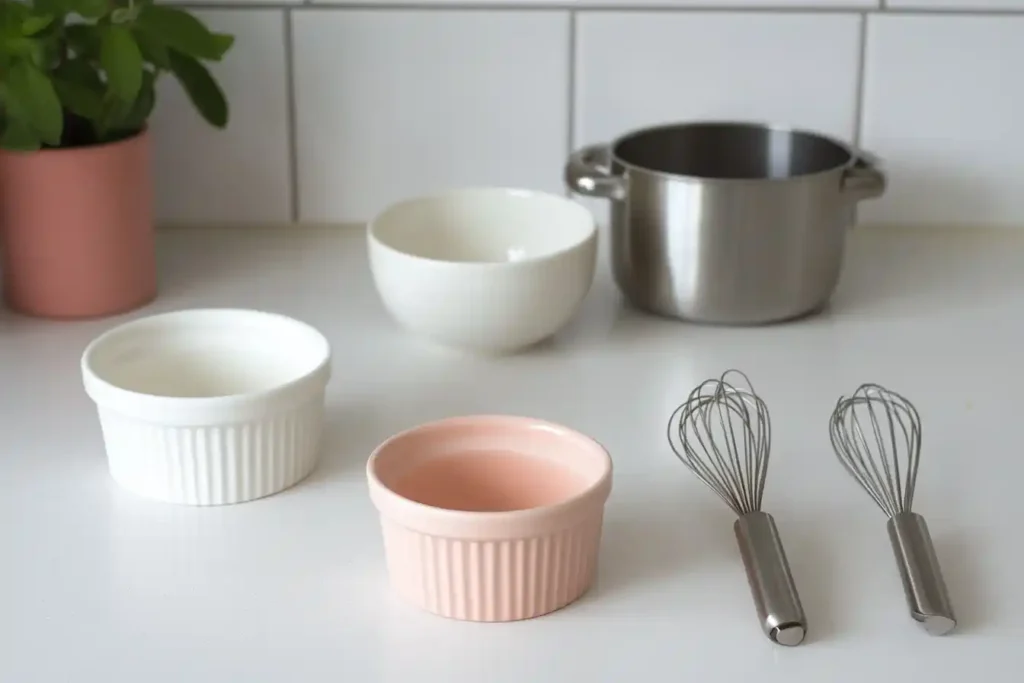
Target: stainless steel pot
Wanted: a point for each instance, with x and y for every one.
(732, 223)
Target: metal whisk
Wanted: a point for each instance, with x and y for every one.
(723, 435)
(876, 434)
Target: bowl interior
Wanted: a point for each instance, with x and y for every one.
(484, 226)
(201, 354)
(490, 464)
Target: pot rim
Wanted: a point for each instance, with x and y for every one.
(855, 155)
(99, 148)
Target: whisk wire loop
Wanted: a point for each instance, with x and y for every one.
(722, 433)
(876, 434)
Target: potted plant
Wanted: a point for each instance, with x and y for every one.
(77, 86)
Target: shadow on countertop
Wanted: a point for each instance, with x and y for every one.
(926, 269)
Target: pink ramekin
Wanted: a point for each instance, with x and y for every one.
(490, 518)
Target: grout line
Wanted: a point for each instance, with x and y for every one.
(858, 101)
(563, 5)
(291, 117)
(858, 120)
(570, 123)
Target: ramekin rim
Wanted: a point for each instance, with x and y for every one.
(600, 486)
(96, 383)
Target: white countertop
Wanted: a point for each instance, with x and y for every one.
(98, 585)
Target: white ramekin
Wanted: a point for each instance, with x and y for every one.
(209, 406)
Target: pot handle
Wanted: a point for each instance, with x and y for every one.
(588, 172)
(865, 179)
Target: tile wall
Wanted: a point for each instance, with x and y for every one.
(340, 108)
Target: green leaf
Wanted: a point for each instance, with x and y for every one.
(223, 42)
(135, 118)
(113, 111)
(84, 40)
(183, 32)
(18, 137)
(32, 101)
(153, 51)
(19, 46)
(82, 72)
(124, 15)
(35, 24)
(122, 62)
(201, 88)
(79, 99)
(90, 9)
(12, 14)
(54, 7)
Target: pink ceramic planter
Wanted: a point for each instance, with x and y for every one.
(76, 230)
(490, 518)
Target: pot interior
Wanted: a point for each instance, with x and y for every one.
(730, 151)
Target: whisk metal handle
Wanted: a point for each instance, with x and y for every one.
(927, 596)
(771, 582)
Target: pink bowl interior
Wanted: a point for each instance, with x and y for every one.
(490, 464)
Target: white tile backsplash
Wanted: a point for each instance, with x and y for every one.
(394, 104)
(240, 174)
(411, 97)
(585, 4)
(229, 3)
(636, 69)
(732, 4)
(968, 5)
(942, 106)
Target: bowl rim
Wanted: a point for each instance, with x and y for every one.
(467, 523)
(200, 409)
(505, 192)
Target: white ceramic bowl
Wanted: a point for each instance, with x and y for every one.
(490, 270)
(209, 406)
